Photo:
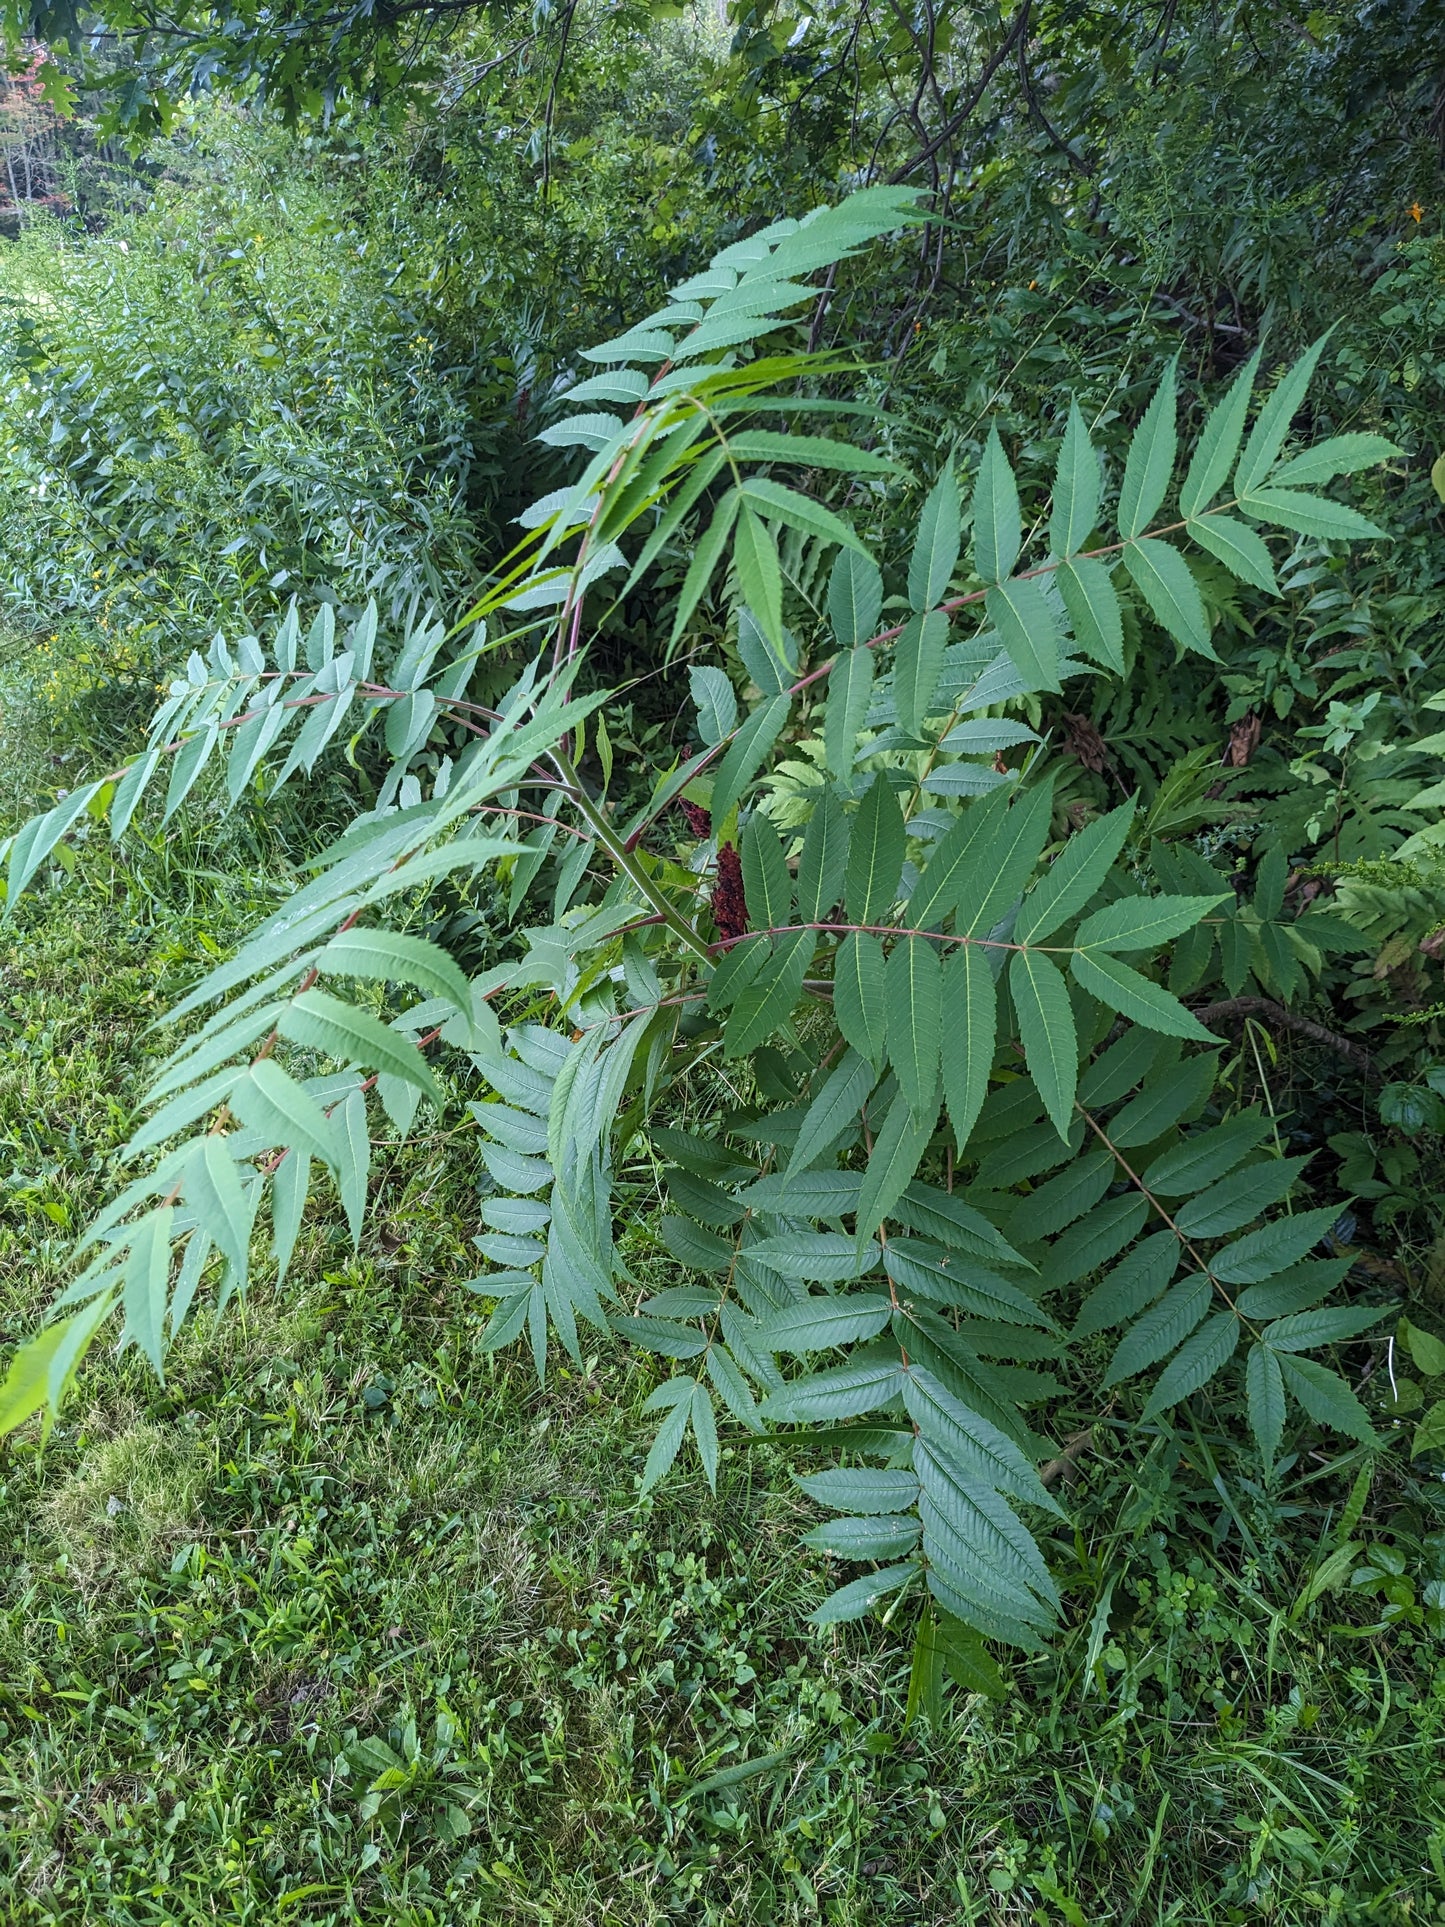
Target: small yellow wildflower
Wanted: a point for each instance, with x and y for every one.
(1417, 213)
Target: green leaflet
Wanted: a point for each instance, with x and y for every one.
(1238, 1199)
(759, 573)
(1119, 988)
(276, 1107)
(1339, 455)
(1046, 1026)
(1089, 596)
(855, 600)
(1293, 1290)
(935, 546)
(963, 1516)
(997, 522)
(956, 862)
(1217, 445)
(808, 451)
(1326, 1397)
(917, 664)
(1160, 1330)
(1020, 611)
(290, 1182)
(1142, 923)
(845, 1392)
(1162, 576)
(213, 1191)
(858, 995)
(1130, 1286)
(898, 1149)
(1074, 876)
(1076, 489)
(320, 1022)
(1308, 514)
(749, 751)
(1101, 1235)
(131, 787)
(948, 1279)
(1272, 425)
(145, 1285)
(944, 1215)
(768, 1001)
(913, 1021)
(732, 1388)
(971, 1003)
(833, 1110)
(34, 841)
(855, 1489)
(1263, 1253)
(823, 862)
(1150, 461)
(715, 701)
(818, 1324)
(855, 1600)
(1201, 1160)
(860, 1539)
(797, 511)
(670, 1434)
(1201, 1356)
(766, 881)
(850, 689)
(1328, 1325)
(1118, 1069)
(875, 854)
(1238, 547)
(772, 666)
(978, 1448)
(1065, 1198)
(392, 956)
(820, 1257)
(1264, 1395)
(355, 1163)
(986, 884)
(31, 1382)
(1166, 1098)
(660, 1335)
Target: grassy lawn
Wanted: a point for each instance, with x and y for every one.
(349, 1622)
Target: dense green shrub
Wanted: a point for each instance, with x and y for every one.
(225, 400)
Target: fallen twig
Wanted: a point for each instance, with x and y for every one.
(1238, 1008)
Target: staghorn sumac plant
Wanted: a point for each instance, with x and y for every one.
(989, 1139)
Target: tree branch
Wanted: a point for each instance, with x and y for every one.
(1238, 1008)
